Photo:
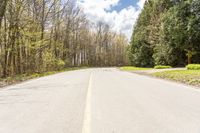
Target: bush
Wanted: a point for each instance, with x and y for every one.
(60, 64)
(193, 67)
(162, 67)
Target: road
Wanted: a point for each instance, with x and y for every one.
(100, 100)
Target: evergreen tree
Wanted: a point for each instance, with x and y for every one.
(167, 33)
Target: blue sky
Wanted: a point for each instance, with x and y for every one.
(124, 4)
(121, 15)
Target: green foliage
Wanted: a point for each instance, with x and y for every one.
(164, 55)
(167, 33)
(162, 67)
(60, 64)
(142, 56)
(174, 36)
(191, 77)
(51, 62)
(141, 51)
(132, 68)
(193, 67)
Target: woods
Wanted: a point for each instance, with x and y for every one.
(43, 35)
(167, 33)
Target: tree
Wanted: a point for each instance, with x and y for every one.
(169, 32)
(46, 35)
(141, 49)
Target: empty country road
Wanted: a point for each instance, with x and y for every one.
(99, 100)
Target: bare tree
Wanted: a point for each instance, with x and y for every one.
(46, 35)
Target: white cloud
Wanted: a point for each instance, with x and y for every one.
(122, 21)
(141, 3)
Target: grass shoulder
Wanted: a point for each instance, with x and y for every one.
(162, 67)
(132, 68)
(191, 77)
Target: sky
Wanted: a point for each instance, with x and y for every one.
(121, 15)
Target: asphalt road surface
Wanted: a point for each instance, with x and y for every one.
(103, 100)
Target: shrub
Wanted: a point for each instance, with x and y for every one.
(193, 67)
(162, 67)
(60, 64)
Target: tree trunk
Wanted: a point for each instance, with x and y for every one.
(3, 4)
(189, 59)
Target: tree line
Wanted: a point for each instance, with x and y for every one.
(44, 35)
(167, 33)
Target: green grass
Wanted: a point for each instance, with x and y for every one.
(132, 68)
(193, 67)
(191, 77)
(24, 77)
(162, 67)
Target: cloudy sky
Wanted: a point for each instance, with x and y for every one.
(119, 14)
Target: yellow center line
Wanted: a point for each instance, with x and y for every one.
(87, 115)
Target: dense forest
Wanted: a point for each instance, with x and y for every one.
(44, 35)
(167, 33)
